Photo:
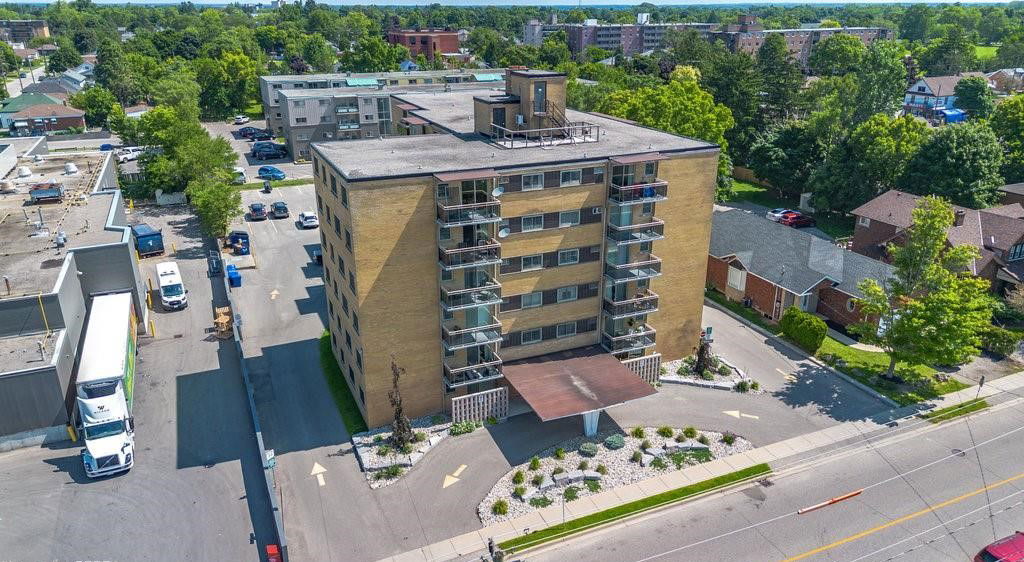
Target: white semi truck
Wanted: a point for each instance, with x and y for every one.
(105, 386)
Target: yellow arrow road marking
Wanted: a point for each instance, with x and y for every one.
(737, 414)
(452, 478)
(459, 470)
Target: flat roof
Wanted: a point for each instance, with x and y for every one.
(567, 383)
(18, 353)
(28, 256)
(477, 87)
(424, 155)
(385, 75)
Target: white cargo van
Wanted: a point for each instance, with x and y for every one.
(172, 290)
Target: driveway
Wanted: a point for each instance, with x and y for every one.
(242, 146)
(760, 210)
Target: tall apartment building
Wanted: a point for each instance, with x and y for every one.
(23, 31)
(527, 235)
(426, 42)
(631, 39)
(270, 86)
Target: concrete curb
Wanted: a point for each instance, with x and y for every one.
(865, 388)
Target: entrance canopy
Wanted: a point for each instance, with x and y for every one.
(573, 382)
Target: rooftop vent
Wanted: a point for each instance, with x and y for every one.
(24, 172)
(70, 168)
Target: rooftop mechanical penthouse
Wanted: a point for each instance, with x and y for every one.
(524, 252)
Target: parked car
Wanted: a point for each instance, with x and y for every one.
(308, 219)
(270, 173)
(279, 210)
(248, 132)
(257, 211)
(796, 220)
(128, 154)
(776, 214)
(106, 147)
(1007, 549)
(241, 119)
(240, 176)
(262, 135)
(270, 152)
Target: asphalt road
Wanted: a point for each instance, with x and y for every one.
(242, 146)
(924, 500)
(14, 85)
(195, 492)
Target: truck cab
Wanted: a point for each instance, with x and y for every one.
(172, 291)
(108, 431)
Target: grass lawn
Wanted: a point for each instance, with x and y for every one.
(339, 389)
(254, 110)
(955, 411)
(748, 313)
(866, 366)
(984, 52)
(276, 183)
(577, 525)
(835, 226)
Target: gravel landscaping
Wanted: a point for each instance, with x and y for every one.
(382, 463)
(725, 376)
(616, 468)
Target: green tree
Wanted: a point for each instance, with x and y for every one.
(679, 107)
(952, 54)
(595, 54)
(179, 90)
(786, 156)
(829, 23)
(1011, 52)
(733, 80)
(975, 97)
(96, 102)
(994, 26)
(959, 162)
(373, 54)
(837, 55)
(8, 58)
(933, 309)
(555, 50)
(881, 81)
(867, 163)
(215, 202)
(317, 53)
(1008, 124)
(916, 23)
(781, 77)
(66, 57)
(126, 128)
(486, 44)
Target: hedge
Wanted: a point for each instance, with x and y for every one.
(999, 341)
(805, 329)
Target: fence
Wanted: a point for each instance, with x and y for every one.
(481, 405)
(647, 367)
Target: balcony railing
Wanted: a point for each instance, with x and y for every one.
(648, 267)
(470, 298)
(471, 375)
(644, 302)
(638, 193)
(642, 338)
(485, 251)
(636, 233)
(472, 339)
(456, 336)
(469, 213)
(347, 126)
(346, 109)
(456, 287)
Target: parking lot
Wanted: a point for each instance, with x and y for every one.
(242, 146)
(195, 492)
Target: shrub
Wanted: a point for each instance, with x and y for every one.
(588, 449)
(406, 449)
(754, 385)
(389, 473)
(584, 465)
(999, 341)
(437, 419)
(659, 463)
(684, 369)
(499, 507)
(384, 450)
(742, 386)
(557, 470)
(645, 444)
(535, 463)
(665, 431)
(637, 455)
(638, 432)
(804, 328)
(703, 439)
(601, 469)
(540, 501)
(616, 441)
(537, 479)
(571, 493)
(707, 375)
(419, 437)
(519, 491)
(690, 432)
(460, 428)
(728, 438)
(378, 438)
(560, 453)
(518, 477)
(593, 485)
(662, 370)
(689, 360)
(491, 420)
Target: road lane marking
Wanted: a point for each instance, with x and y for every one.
(737, 414)
(903, 519)
(452, 478)
(318, 471)
(459, 470)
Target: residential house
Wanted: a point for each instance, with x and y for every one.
(11, 106)
(1012, 193)
(54, 88)
(46, 118)
(27, 55)
(1006, 80)
(928, 96)
(771, 267)
(136, 111)
(996, 232)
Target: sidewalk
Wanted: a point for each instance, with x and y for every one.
(476, 541)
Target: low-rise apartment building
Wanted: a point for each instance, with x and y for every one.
(426, 42)
(23, 31)
(630, 38)
(524, 236)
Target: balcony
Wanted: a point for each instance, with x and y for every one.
(470, 298)
(455, 376)
(636, 233)
(450, 216)
(641, 338)
(346, 109)
(455, 336)
(645, 302)
(485, 251)
(636, 194)
(347, 126)
(453, 288)
(648, 267)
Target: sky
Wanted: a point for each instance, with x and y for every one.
(602, 3)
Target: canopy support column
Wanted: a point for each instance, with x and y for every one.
(590, 422)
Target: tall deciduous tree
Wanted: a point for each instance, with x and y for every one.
(215, 202)
(959, 162)
(373, 54)
(97, 103)
(1008, 124)
(837, 55)
(786, 156)
(975, 97)
(881, 81)
(782, 79)
(66, 57)
(733, 80)
(952, 54)
(933, 309)
(916, 23)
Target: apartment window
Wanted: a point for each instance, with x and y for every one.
(532, 182)
(864, 221)
(337, 226)
(348, 340)
(445, 234)
(367, 101)
(442, 191)
(568, 257)
(344, 303)
(352, 282)
(348, 239)
(1016, 252)
(645, 247)
(566, 294)
(598, 175)
(532, 300)
(334, 185)
(568, 218)
(325, 118)
(647, 209)
(299, 103)
(341, 265)
(650, 168)
(322, 102)
(300, 120)
(446, 275)
(565, 330)
(344, 195)
(359, 359)
(330, 308)
(571, 177)
(530, 336)
(533, 222)
(319, 204)
(530, 263)
(355, 322)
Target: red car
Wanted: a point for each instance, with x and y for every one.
(796, 220)
(1009, 549)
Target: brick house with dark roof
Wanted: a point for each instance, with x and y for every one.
(770, 267)
(996, 232)
(46, 118)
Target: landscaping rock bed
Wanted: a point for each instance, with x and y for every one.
(384, 465)
(553, 478)
(726, 377)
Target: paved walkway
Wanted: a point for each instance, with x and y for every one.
(794, 448)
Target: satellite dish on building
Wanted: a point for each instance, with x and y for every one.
(504, 232)
(497, 191)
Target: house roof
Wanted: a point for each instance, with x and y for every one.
(795, 260)
(23, 101)
(48, 110)
(944, 85)
(1014, 188)
(46, 87)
